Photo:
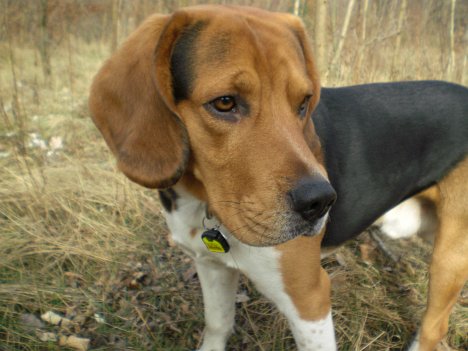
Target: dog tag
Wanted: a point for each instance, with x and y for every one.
(215, 241)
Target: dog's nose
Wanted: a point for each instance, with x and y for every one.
(312, 197)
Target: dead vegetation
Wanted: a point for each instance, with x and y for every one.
(79, 240)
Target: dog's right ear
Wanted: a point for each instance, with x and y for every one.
(131, 104)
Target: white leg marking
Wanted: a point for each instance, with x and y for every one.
(265, 273)
(314, 335)
(219, 286)
(414, 346)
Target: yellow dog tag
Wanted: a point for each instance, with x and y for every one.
(215, 241)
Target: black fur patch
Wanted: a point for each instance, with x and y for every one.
(385, 142)
(168, 198)
(183, 61)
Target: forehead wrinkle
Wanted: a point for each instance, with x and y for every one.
(277, 46)
(223, 33)
(268, 47)
(228, 83)
(217, 47)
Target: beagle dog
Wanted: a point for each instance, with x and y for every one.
(220, 108)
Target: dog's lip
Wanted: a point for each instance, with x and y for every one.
(296, 228)
(315, 228)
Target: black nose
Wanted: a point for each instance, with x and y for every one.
(312, 197)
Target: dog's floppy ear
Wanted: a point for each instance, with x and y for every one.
(132, 105)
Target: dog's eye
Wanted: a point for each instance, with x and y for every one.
(304, 106)
(224, 104)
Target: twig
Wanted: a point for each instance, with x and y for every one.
(401, 17)
(363, 39)
(297, 5)
(451, 65)
(344, 31)
(376, 234)
(321, 16)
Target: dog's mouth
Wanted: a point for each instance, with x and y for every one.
(263, 229)
(267, 218)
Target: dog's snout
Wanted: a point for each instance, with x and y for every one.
(312, 197)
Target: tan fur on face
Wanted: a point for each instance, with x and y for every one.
(248, 165)
(243, 167)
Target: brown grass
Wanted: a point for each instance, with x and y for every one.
(79, 239)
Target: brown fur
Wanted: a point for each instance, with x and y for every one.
(149, 132)
(243, 167)
(130, 111)
(449, 266)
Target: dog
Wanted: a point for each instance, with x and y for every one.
(258, 168)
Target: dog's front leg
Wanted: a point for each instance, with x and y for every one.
(219, 286)
(291, 276)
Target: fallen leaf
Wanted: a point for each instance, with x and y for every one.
(366, 250)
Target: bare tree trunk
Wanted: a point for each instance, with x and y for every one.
(116, 4)
(141, 11)
(321, 54)
(19, 120)
(344, 31)
(44, 42)
(464, 74)
(451, 65)
(71, 79)
(357, 71)
(396, 53)
(297, 6)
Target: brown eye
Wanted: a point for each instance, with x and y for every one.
(304, 106)
(224, 104)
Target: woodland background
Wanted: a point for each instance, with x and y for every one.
(80, 240)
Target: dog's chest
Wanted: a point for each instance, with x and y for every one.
(187, 221)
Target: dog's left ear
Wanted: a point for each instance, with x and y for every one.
(132, 101)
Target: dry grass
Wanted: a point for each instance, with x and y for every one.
(77, 238)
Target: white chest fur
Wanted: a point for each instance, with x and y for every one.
(218, 276)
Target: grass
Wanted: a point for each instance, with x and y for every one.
(79, 239)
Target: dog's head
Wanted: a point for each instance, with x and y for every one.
(219, 100)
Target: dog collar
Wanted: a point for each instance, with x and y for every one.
(214, 239)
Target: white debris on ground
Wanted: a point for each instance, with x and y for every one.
(55, 319)
(36, 141)
(55, 143)
(72, 341)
